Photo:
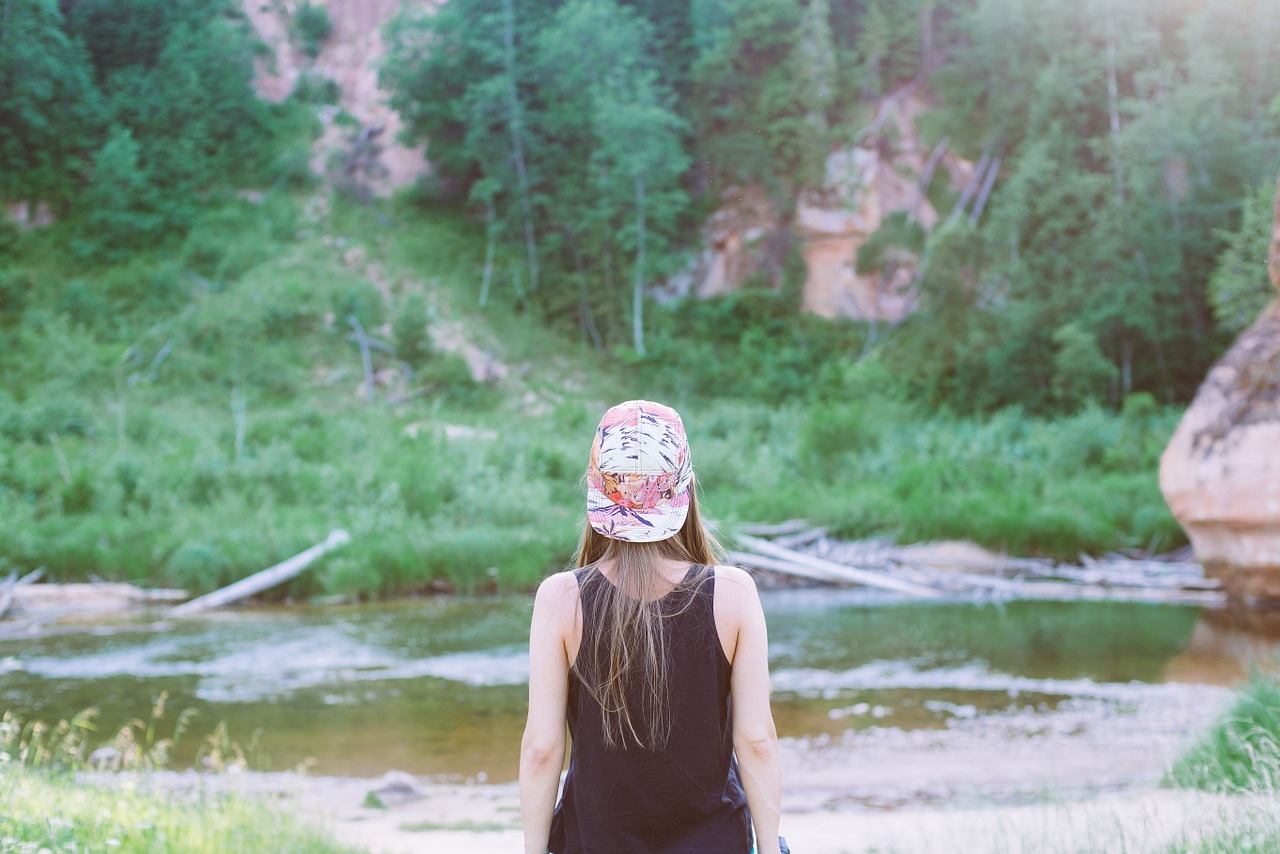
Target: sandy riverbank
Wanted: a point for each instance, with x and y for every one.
(1082, 777)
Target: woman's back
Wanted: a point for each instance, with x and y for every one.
(682, 796)
(659, 662)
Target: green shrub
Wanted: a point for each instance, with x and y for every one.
(311, 27)
(291, 169)
(409, 328)
(199, 566)
(314, 88)
(833, 430)
(10, 236)
(17, 286)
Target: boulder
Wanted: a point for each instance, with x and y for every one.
(1220, 473)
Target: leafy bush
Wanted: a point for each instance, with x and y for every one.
(314, 88)
(1239, 288)
(199, 566)
(121, 207)
(311, 27)
(16, 288)
(409, 328)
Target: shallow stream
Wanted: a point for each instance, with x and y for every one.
(437, 687)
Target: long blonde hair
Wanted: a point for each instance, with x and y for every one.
(631, 641)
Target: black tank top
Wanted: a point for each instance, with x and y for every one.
(685, 798)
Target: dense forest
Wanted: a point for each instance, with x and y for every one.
(177, 401)
(1129, 135)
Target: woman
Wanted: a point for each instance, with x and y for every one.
(658, 660)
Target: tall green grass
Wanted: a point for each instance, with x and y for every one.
(46, 807)
(193, 415)
(56, 813)
(1241, 753)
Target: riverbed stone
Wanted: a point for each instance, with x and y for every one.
(1220, 473)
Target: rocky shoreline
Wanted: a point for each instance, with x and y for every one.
(1083, 775)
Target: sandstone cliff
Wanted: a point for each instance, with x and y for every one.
(1221, 471)
(862, 186)
(350, 58)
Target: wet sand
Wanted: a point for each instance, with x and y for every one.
(1083, 776)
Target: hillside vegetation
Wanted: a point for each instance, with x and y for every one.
(182, 403)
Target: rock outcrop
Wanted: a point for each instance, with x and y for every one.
(350, 58)
(745, 236)
(862, 185)
(1221, 471)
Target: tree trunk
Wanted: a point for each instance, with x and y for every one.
(970, 188)
(516, 124)
(926, 178)
(637, 295)
(586, 317)
(1113, 105)
(990, 181)
(366, 358)
(487, 276)
(264, 580)
(926, 35)
(1126, 367)
(239, 418)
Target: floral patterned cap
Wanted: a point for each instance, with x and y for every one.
(640, 475)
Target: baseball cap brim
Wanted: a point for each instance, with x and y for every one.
(633, 525)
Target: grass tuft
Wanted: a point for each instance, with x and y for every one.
(1241, 753)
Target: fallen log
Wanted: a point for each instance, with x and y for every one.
(766, 529)
(836, 571)
(263, 580)
(12, 583)
(804, 538)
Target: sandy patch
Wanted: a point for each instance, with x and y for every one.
(1082, 777)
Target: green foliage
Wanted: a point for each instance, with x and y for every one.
(311, 27)
(1081, 373)
(120, 203)
(409, 328)
(57, 813)
(139, 370)
(120, 113)
(16, 289)
(562, 127)
(1242, 751)
(1240, 288)
(51, 113)
(751, 345)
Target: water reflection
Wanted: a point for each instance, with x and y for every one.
(438, 687)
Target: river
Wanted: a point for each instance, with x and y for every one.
(437, 687)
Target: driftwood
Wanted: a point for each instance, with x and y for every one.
(880, 564)
(264, 580)
(821, 569)
(365, 343)
(791, 526)
(11, 584)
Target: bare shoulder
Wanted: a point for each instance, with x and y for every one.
(558, 595)
(735, 585)
(558, 585)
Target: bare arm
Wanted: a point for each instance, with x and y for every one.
(755, 740)
(542, 748)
